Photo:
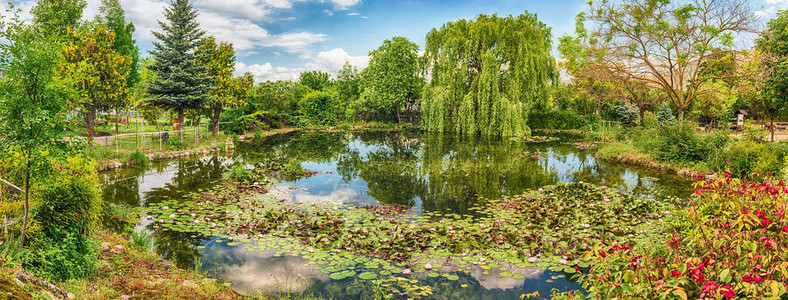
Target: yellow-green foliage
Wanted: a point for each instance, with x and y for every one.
(487, 74)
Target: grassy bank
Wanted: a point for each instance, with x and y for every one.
(683, 149)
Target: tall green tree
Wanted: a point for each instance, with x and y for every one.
(180, 82)
(348, 87)
(34, 101)
(113, 15)
(96, 71)
(391, 81)
(54, 17)
(671, 45)
(773, 44)
(315, 80)
(218, 59)
(487, 74)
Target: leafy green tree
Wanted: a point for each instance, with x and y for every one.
(773, 44)
(487, 74)
(219, 63)
(180, 82)
(114, 17)
(97, 72)
(141, 97)
(348, 87)
(54, 17)
(715, 100)
(391, 81)
(33, 101)
(670, 45)
(315, 80)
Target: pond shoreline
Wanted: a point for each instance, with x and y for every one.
(229, 145)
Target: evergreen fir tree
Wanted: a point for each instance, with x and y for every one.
(180, 82)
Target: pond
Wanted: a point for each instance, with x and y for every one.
(429, 172)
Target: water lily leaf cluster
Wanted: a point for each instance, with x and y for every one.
(548, 228)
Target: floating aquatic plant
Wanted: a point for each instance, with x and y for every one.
(550, 228)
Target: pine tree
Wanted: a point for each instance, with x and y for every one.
(180, 81)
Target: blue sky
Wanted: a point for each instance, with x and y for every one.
(278, 39)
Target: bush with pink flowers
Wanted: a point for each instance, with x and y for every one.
(730, 242)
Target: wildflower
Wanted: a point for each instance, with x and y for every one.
(533, 259)
(165, 208)
(563, 261)
(428, 266)
(675, 274)
(407, 272)
(603, 254)
(533, 156)
(196, 222)
(172, 216)
(311, 250)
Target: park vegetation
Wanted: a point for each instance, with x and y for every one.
(654, 83)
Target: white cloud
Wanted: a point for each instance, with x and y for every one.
(345, 4)
(770, 8)
(353, 14)
(265, 72)
(330, 61)
(295, 42)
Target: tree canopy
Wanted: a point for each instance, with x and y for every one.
(671, 45)
(391, 81)
(180, 82)
(487, 74)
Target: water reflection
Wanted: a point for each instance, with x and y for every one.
(430, 172)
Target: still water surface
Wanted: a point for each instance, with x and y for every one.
(429, 172)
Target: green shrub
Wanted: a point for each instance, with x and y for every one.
(69, 255)
(176, 144)
(748, 157)
(754, 133)
(650, 120)
(561, 119)
(137, 158)
(69, 210)
(318, 109)
(681, 142)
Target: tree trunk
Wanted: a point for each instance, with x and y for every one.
(771, 126)
(399, 118)
(117, 120)
(680, 113)
(27, 203)
(90, 121)
(180, 123)
(215, 120)
(642, 115)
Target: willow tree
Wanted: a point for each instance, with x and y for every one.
(487, 74)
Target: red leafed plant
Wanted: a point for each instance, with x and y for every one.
(731, 241)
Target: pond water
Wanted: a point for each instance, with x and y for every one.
(429, 172)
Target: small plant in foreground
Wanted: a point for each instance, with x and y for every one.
(142, 238)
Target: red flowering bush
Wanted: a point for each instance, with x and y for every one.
(730, 242)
